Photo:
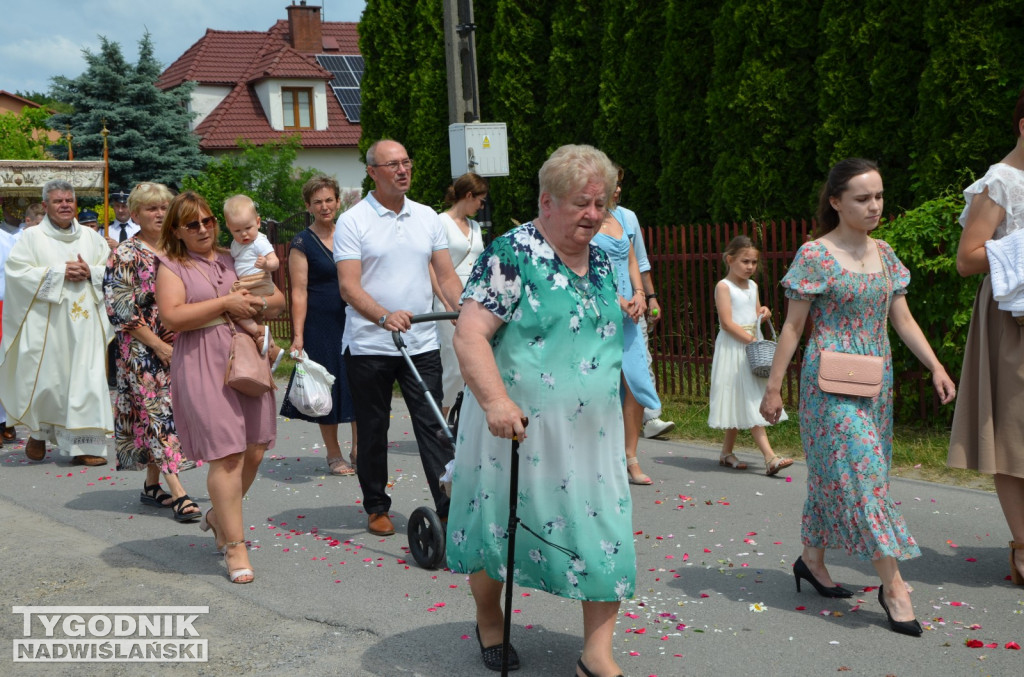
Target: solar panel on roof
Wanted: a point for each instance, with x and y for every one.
(347, 74)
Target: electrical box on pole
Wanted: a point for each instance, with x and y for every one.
(479, 147)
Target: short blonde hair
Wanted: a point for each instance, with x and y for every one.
(235, 207)
(573, 166)
(146, 194)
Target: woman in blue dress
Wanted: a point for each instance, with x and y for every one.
(846, 281)
(618, 231)
(540, 335)
(318, 315)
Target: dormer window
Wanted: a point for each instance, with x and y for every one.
(297, 106)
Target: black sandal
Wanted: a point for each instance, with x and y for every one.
(179, 506)
(153, 495)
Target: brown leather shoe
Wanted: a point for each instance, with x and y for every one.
(86, 459)
(35, 449)
(379, 524)
(9, 434)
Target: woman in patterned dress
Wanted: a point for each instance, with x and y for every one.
(988, 428)
(845, 281)
(217, 424)
(540, 335)
(144, 432)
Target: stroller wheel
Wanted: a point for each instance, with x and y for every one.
(426, 538)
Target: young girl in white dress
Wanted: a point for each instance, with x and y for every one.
(735, 392)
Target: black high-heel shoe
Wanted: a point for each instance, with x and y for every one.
(912, 628)
(800, 570)
(587, 673)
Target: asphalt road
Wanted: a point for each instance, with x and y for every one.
(715, 593)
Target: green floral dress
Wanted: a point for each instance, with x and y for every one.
(560, 356)
(848, 440)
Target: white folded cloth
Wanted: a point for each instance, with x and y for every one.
(1006, 268)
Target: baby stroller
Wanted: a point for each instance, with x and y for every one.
(426, 532)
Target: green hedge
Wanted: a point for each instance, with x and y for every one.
(926, 239)
(718, 110)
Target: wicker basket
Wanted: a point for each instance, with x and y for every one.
(761, 352)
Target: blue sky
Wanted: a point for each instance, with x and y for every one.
(40, 39)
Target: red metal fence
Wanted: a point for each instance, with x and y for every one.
(686, 263)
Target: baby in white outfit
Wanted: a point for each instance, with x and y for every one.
(254, 261)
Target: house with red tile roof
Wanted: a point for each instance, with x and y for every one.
(12, 103)
(301, 76)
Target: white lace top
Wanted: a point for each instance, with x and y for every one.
(1006, 188)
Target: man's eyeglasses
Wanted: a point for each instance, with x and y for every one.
(395, 164)
(193, 226)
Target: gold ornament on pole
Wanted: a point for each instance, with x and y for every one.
(71, 151)
(106, 183)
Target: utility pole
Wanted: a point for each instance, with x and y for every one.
(460, 58)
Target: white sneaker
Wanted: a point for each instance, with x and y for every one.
(656, 427)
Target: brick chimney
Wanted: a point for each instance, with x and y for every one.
(304, 26)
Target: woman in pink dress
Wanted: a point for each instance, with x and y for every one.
(216, 423)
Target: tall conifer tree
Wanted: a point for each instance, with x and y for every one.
(627, 128)
(967, 93)
(868, 71)
(149, 132)
(762, 105)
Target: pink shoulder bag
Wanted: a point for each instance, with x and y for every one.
(851, 374)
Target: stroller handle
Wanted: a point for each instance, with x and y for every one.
(396, 336)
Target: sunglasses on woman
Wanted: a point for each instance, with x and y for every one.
(193, 226)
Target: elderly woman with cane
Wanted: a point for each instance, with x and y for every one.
(540, 335)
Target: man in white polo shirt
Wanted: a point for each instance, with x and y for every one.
(384, 248)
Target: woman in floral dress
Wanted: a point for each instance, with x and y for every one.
(846, 281)
(144, 432)
(540, 335)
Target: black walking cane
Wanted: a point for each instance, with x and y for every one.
(513, 522)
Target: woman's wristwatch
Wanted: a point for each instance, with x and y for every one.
(652, 295)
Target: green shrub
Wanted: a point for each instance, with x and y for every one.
(926, 239)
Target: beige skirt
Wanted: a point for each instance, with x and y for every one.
(988, 424)
(261, 284)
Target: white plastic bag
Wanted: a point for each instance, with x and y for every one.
(311, 387)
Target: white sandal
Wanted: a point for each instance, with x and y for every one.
(642, 479)
(730, 461)
(235, 574)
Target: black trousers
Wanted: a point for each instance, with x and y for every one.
(371, 379)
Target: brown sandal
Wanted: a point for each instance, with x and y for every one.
(337, 466)
(735, 463)
(1015, 576)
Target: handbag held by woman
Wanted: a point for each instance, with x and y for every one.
(248, 372)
